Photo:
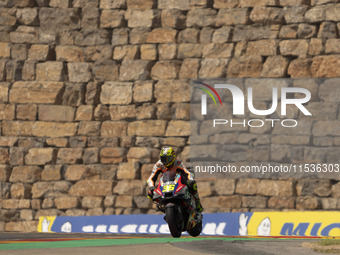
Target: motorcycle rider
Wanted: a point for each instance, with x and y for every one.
(168, 162)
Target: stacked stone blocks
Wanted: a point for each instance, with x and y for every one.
(90, 91)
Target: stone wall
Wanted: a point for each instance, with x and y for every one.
(90, 91)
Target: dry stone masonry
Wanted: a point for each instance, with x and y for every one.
(90, 91)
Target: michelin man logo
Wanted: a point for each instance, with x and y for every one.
(263, 228)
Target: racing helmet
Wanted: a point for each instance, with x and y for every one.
(167, 156)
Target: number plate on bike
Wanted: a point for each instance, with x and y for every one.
(168, 188)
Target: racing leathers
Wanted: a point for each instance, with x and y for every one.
(178, 166)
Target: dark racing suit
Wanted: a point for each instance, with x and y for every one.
(179, 167)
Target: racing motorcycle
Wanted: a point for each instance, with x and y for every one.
(173, 198)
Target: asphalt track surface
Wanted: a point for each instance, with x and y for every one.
(98, 244)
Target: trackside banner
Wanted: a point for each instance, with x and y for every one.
(302, 224)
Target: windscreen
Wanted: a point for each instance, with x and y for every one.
(169, 176)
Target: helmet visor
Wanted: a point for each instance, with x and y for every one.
(166, 160)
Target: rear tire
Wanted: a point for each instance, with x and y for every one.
(173, 222)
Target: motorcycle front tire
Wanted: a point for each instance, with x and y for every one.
(173, 222)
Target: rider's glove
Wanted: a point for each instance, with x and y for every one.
(150, 192)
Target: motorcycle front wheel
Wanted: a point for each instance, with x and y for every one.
(173, 221)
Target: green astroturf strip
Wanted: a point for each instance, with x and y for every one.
(108, 242)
